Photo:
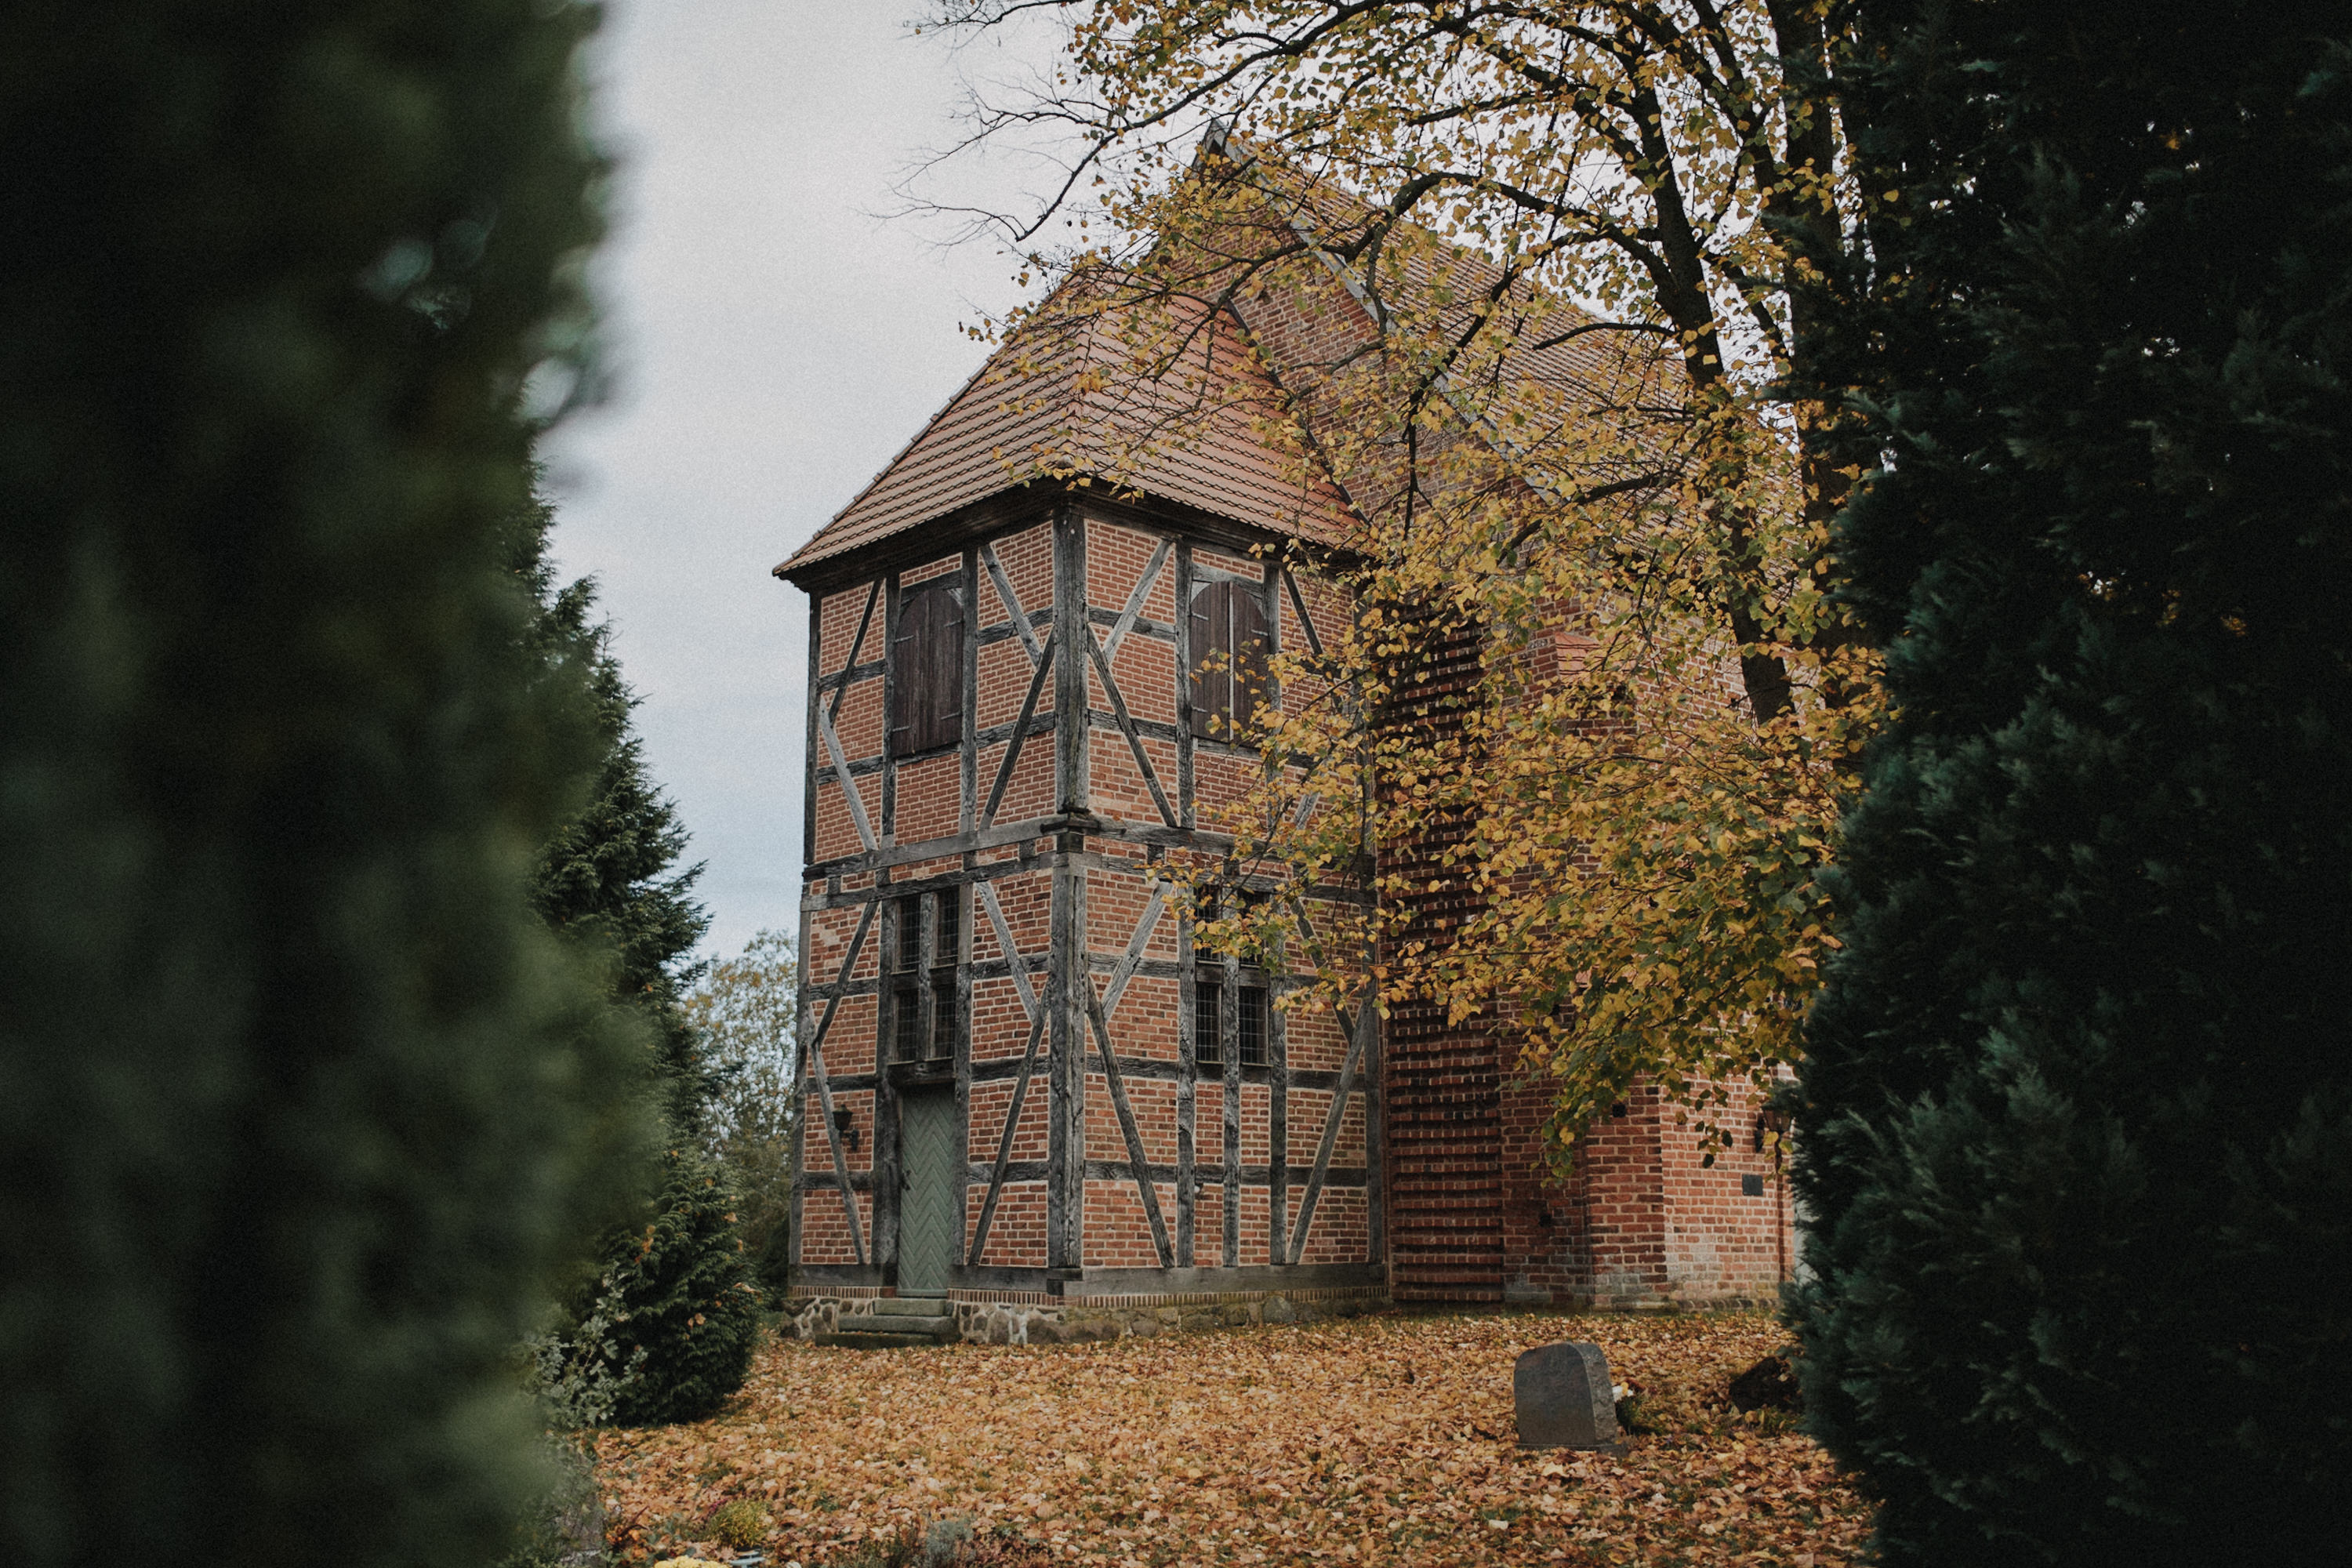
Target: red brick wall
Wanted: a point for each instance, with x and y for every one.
(1643, 1220)
(1119, 883)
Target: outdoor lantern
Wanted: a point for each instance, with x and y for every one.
(842, 1126)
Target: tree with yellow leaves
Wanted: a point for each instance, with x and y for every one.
(1579, 432)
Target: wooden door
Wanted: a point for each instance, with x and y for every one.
(931, 1212)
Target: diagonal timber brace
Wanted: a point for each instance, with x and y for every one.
(824, 1084)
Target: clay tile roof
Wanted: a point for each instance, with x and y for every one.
(1073, 398)
(1096, 395)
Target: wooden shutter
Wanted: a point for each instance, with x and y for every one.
(1211, 631)
(1230, 643)
(1253, 643)
(927, 672)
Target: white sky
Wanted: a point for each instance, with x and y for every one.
(775, 345)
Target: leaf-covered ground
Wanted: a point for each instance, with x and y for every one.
(1382, 1440)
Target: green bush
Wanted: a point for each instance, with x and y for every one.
(302, 1104)
(682, 1295)
(665, 1327)
(2076, 1132)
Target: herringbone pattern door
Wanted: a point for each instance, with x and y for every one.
(930, 1215)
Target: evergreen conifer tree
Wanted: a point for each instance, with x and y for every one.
(674, 1278)
(303, 1103)
(2075, 1133)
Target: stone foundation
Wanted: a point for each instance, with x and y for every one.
(1008, 1318)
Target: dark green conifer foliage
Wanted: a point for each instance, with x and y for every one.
(2076, 1132)
(686, 1294)
(610, 882)
(302, 1104)
(609, 879)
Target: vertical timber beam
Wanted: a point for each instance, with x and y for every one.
(1229, 1045)
(968, 777)
(1065, 1199)
(809, 747)
(808, 856)
(1072, 796)
(1278, 1043)
(1184, 811)
(1278, 1116)
(1188, 1176)
(888, 826)
(967, 813)
(886, 1090)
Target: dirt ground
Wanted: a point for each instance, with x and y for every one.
(1382, 1440)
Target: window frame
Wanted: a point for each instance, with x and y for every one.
(927, 1025)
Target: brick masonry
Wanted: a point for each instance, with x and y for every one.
(1432, 1185)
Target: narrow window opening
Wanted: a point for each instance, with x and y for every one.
(1208, 1048)
(927, 672)
(905, 995)
(907, 1010)
(947, 954)
(1250, 1036)
(1230, 642)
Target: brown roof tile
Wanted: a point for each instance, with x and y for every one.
(1173, 404)
(1171, 400)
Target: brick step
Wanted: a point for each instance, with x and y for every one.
(894, 1320)
(898, 1323)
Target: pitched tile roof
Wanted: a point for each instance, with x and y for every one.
(1175, 406)
(1172, 399)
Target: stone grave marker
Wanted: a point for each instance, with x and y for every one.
(1565, 1400)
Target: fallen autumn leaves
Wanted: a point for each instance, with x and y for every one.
(1383, 1440)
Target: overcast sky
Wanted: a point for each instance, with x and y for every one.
(775, 345)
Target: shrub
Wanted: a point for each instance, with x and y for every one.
(302, 1106)
(682, 1299)
(2076, 1132)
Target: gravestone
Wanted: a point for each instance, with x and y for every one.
(1565, 1400)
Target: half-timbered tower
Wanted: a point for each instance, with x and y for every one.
(1031, 638)
(1021, 1074)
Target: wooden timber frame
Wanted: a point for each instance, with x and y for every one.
(1068, 993)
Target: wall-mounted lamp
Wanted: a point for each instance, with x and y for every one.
(844, 1128)
(1773, 1120)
